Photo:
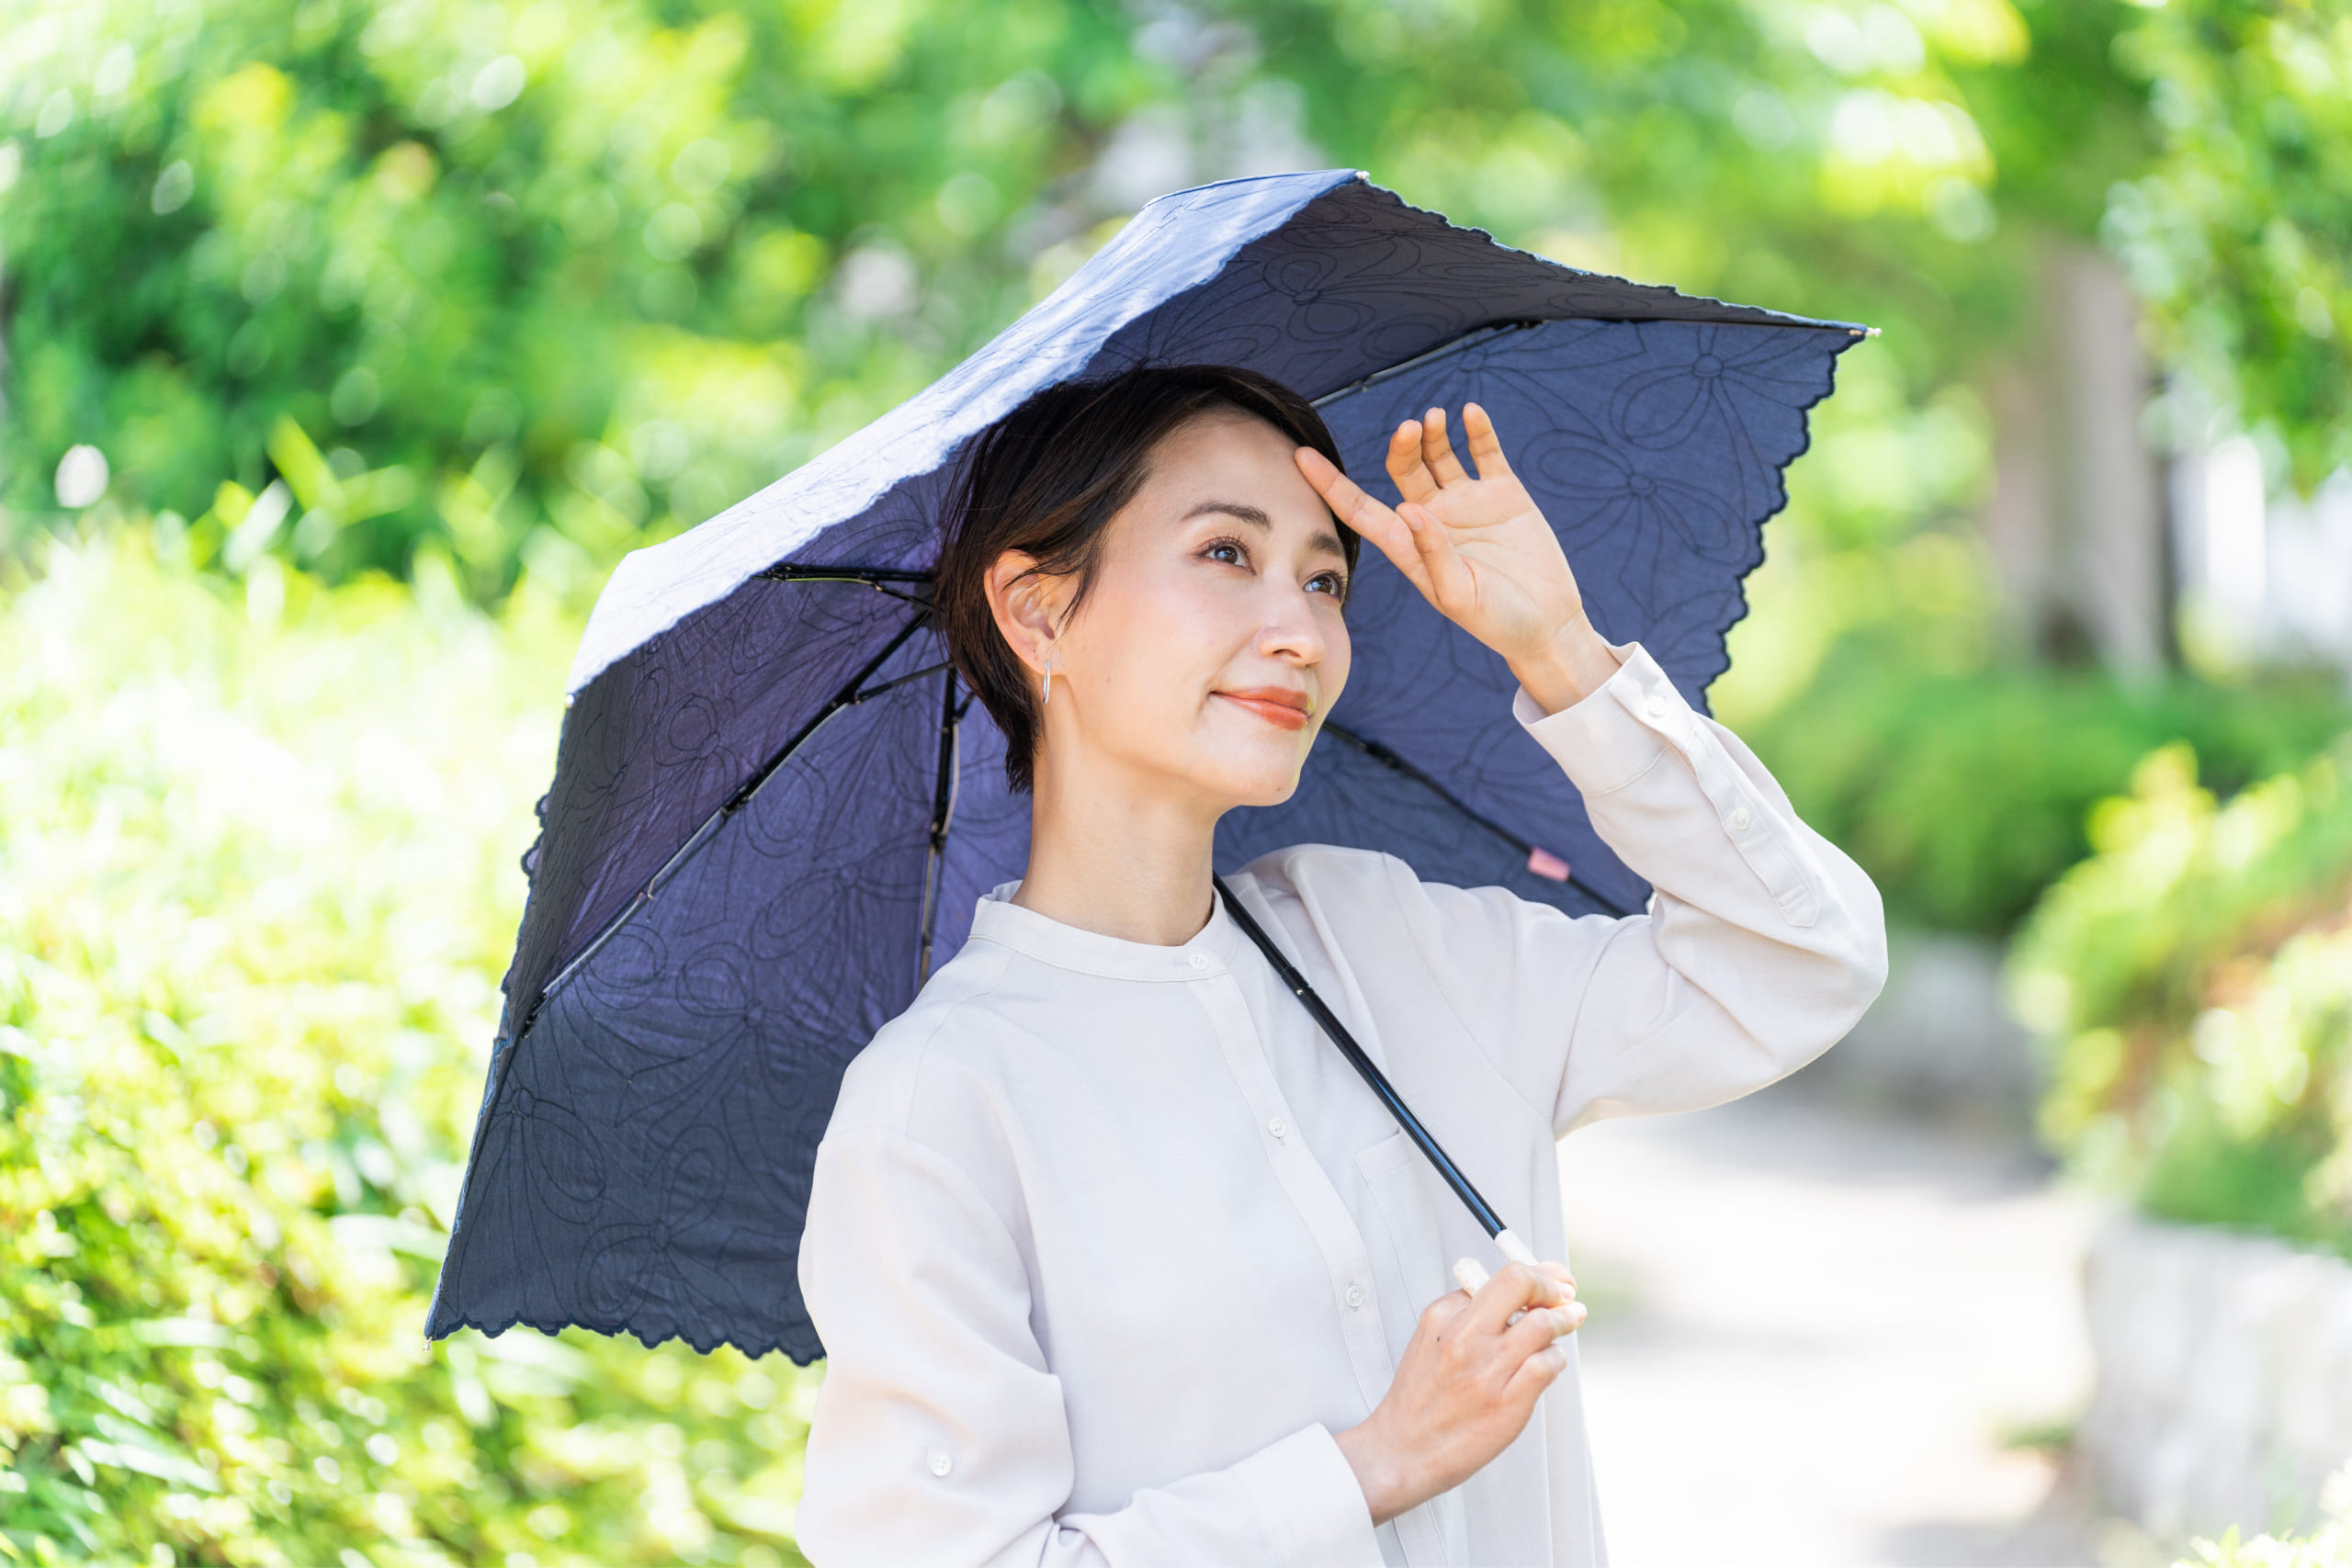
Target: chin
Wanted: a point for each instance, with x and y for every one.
(1257, 786)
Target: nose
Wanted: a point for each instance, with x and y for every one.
(1291, 631)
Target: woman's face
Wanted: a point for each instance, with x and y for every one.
(1209, 647)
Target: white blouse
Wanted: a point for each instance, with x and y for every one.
(1106, 1241)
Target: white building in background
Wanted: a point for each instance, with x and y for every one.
(2264, 576)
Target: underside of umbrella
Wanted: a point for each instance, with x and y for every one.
(774, 806)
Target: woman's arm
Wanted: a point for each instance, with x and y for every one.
(1763, 944)
(939, 1434)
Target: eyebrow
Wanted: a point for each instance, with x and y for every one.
(1256, 517)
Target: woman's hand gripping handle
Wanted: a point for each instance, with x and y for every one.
(1467, 1383)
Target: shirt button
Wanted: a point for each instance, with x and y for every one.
(1738, 818)
(1278, 1127)
(1355, 1296)
(941, 1465)
(1198, 961)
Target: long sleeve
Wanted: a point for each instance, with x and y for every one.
(1763, 944)
(941, 1437)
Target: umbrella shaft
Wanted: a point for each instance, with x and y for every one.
(1482, 1211)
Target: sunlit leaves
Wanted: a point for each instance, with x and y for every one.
(2242, 236)
(255, 892)
(426, 229)
(2194, 981)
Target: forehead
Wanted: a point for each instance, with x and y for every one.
(1234, 462)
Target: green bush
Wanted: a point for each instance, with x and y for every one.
(540, 282)
(2329, 1547)
(1965, 792)
(2194, 977)
(257, 881)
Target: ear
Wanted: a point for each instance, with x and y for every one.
(1028, 606)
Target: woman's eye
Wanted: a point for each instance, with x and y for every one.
(1230, 553)
(1330, 583)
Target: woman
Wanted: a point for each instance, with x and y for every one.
(1114, 1258)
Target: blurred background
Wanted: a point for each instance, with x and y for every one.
(344, 346)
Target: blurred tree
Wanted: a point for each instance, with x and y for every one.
(557, 260)
(538, 279)
(535, 262)
(2241, 236)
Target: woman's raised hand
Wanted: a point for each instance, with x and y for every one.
(1480, 550)
(1465, 1388)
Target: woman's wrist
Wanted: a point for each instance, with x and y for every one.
(1385, 1490)
(1575, 663)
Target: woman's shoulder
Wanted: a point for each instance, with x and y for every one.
(1336, 871)
(1355, 894)
(928, 1054)
(1367, 902)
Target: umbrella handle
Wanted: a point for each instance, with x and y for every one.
(1471, 1277)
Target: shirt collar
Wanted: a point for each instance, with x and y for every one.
(995, 918)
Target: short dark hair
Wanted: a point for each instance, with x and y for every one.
(1047, 479)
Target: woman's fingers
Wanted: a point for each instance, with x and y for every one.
(1444, 576)
(1540, 1326)
(1437, 451)
(1406, 465)
(1535, 1375)
(1514, 1287)
(1486, 447)
(1361, 511)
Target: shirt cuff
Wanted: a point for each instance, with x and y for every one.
(1313, 1506)
(1619, 730)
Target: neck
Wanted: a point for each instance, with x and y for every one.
(1120, 861)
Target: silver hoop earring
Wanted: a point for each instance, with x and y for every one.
(1049, 683)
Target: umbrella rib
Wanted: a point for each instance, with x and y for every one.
(943, 806)
(877, 578)
(852, 693)
(1388, 758)
(1470, 339)
(900, 680)
(1493, 329)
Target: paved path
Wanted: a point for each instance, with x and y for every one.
(1816, 1336)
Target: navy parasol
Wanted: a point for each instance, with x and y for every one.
(774, 806)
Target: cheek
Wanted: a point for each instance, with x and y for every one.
(1339, 656)
(1170, 624)
(1154, 639)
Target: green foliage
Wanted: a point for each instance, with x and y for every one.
(2329, 1547)
(1965, 791)
(2194, 980)
(257, 880)
(2241, 235)
(544, 271)
(1890, 162)
(531, 283)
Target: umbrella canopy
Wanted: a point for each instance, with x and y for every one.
(774, 806)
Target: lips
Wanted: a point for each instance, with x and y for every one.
(1278, 705)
